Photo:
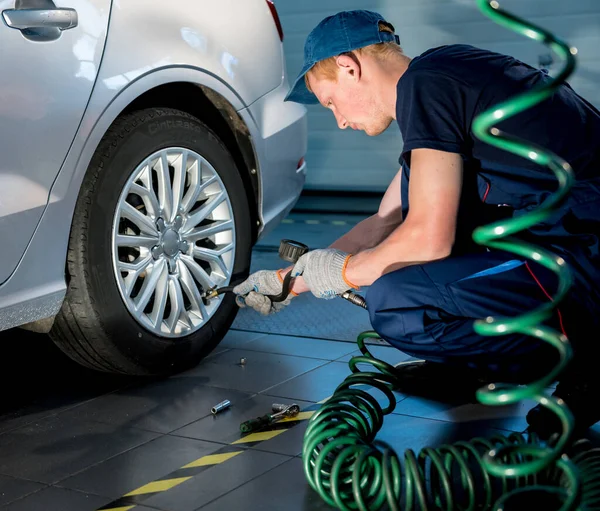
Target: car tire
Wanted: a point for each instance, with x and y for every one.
(95, 326)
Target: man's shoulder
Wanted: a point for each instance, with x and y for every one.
(449, 55)
(445, 65)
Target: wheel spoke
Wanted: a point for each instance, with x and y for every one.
(178, 312)
(180, 170)
(149, 286)
(214, 256)
(165, 193)
(126, 240)
(149, 198)
(143, 223)
(198, 272)
(134, 270)
(195, 174)
(191, 290)
(160, 300)
(205, 231)
(206, 209)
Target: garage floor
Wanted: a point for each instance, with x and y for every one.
(71, 439)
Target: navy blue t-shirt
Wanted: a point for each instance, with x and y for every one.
(445, 88)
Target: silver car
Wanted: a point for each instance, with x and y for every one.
(145, 148)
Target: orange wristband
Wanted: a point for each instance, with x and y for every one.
(281, 280)
(353, 286)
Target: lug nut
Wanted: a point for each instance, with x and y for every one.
(157, 251)
(178, 222)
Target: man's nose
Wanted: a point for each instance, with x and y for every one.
(342, 123)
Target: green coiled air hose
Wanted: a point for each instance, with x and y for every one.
(351, 470)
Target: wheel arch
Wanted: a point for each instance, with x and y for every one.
(218, 114)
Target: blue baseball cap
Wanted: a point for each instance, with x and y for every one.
(337, 34)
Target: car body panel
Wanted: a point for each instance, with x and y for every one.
(283, 130)
(277, 130)
(44, 89)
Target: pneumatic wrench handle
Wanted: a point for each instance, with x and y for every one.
(290, 251)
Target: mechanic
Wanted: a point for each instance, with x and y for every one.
(427, 280)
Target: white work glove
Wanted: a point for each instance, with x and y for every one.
(251, 293)
(323, 272)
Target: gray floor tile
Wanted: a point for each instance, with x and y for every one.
(137, 467)
(216, 482)
(299, 346)
(225, 427)
(161, 406)
(262, 370)
(315, 230)
(315, 385)
(55, 448)
(511, 417)
(282, 488)
(12, 489)
(57, 499)
(234, 339)
(289, 442)
(390, 355)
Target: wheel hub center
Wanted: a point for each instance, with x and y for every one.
(170, 242)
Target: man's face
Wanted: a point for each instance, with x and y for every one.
(352, 99)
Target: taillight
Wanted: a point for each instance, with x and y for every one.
(276, 18)
(300, 163)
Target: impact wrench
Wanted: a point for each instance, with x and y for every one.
(289, 251)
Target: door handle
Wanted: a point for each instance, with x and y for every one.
(26, 19)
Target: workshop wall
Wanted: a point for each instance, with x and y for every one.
(352, 161)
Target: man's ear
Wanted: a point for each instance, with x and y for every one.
(349, 66)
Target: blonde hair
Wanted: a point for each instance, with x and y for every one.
(328, 68)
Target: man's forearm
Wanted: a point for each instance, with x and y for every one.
(407, 245)
(363, 236)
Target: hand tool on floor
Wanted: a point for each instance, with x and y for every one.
(282, 411)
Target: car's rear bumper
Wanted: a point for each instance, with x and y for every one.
(280, 141)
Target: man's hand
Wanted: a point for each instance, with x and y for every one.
(252, 292)
(324, 272)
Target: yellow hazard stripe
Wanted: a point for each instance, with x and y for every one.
(259, 437)
(302, 416)
(212, 459)
(126, 508)
(158, 486)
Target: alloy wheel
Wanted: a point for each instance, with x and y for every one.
(173, 238)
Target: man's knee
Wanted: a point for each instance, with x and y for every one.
(402, 307)
(407, 287)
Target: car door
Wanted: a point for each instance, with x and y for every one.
(50, 53)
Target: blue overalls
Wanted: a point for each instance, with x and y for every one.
(428, 310)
